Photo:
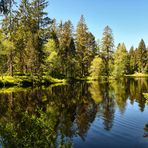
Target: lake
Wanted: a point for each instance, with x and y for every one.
(79, 115)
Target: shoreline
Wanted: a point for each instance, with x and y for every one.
(26, 81)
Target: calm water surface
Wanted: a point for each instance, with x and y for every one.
(79, 115)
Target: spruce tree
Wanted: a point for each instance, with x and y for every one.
(22, 28)
(107, 45)
(132, 59)
(65, 37)
(120, 61)
(39, 25)
(83, 46)
(8, 31)
(141, 56)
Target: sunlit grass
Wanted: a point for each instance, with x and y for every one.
(137, 75)
(13, 89)
(21, 81)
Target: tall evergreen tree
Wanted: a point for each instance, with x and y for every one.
(141, 56)
(83, 46)
(8, 30)
(22, 28)
(53, 32)
(146, 67)
(66, 46)
(120, 61)
(132, 59)
(4, 50)
(41, 22)
(107, 45)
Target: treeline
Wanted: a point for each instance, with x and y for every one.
(33, 44)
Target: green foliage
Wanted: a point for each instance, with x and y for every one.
(97, 68)
(107, 45)
(3, 55)
(141, 56)
(84, 43)
(52, 61)
(24, 81)
(34, 131)
(67, 50)
(137, 75)
(133, 63)
(33, 45)
(28, 35)
(120, 61)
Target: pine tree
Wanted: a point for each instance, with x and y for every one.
(3, 54)
(66, 46)
(132, 60)
(22, 31)
(83, 46)
(120, 61)
(141, 56)
(8, 30)
(146, 67)
(107, 45)
(53, 32)
(37, 33)
(65, 39)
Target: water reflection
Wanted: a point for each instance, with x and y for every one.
(146, 130)
(53, 116)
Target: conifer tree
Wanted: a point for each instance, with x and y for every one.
(66, 46)
(141, 56)
(40, 22)
(120, 61)
(146, 67)
(22, 28)
(107, 45)
(8, 30)
(83, 46)
(132, 57)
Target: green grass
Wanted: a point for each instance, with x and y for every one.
(52, 80)
(101, 79)
(25, 81)
(13, 89)
(137, 75)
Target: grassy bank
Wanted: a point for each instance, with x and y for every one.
(137, 75)
(24, 81)
(101, 79)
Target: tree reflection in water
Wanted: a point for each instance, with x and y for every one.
(52, 116)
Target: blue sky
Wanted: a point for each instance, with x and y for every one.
(127, 18)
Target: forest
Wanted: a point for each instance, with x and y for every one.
(34, 45)
(61, 87)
